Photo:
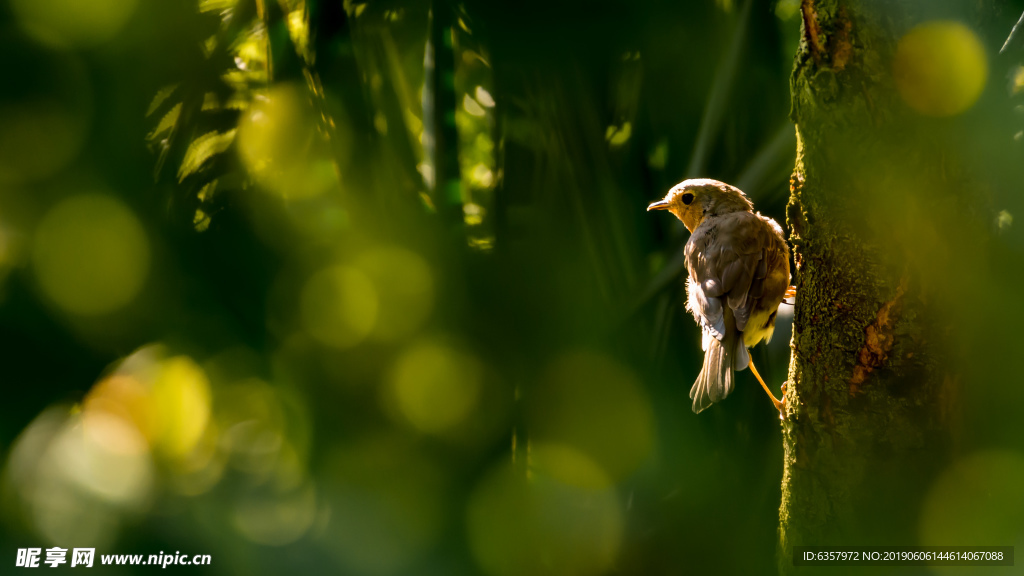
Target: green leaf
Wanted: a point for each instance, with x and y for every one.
(161, 96)
(167, 123)
(202, 149)
(216, 5)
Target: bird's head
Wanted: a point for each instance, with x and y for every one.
(693, 200)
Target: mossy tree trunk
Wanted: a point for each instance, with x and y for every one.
(872, 401)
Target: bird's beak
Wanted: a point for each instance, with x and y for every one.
(659, 205)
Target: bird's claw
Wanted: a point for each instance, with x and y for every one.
(789, 297)
(781, 405)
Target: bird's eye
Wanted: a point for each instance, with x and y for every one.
(687, 198)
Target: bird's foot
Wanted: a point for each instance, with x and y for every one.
(790, 293)
(781, 404)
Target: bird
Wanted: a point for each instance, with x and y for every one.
(738, 275)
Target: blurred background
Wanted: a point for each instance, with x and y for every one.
(369, 287)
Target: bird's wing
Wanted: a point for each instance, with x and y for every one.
(707, 311)
(727, 260)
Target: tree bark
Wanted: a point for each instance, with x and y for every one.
(871, 397)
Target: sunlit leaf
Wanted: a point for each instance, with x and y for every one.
(202, 149)
(619, 135)
(201, 221)
(206, 192)
(354, 10)
(209, 45)
(251, 48)
(210, 102)
(161, 96)
(167, 123)
(298, 30)
(216, 5)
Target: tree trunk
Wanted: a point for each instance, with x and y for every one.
(870, 391)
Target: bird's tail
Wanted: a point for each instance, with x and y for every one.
(722, 359)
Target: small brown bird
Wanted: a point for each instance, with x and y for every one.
(739, 274)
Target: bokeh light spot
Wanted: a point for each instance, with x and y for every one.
(1004, 220)
(72, 22)
(181, 395)
(271, 131)
(37, 139)
(472, 107)
(977, 501)
(388, 504)
(112, 475)
(254, 426)
(123, 397)
(484, 97)
(276, 520)
(405, 289)
(276, 143)
(568, 466)
(339, 306)
(538, 525)
(597, 406)
(45, 114)
(436, 386)
(167, 401)
(91, 255)
(74, 479)
(940, 68)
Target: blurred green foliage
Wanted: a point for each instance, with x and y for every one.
(368, 287)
